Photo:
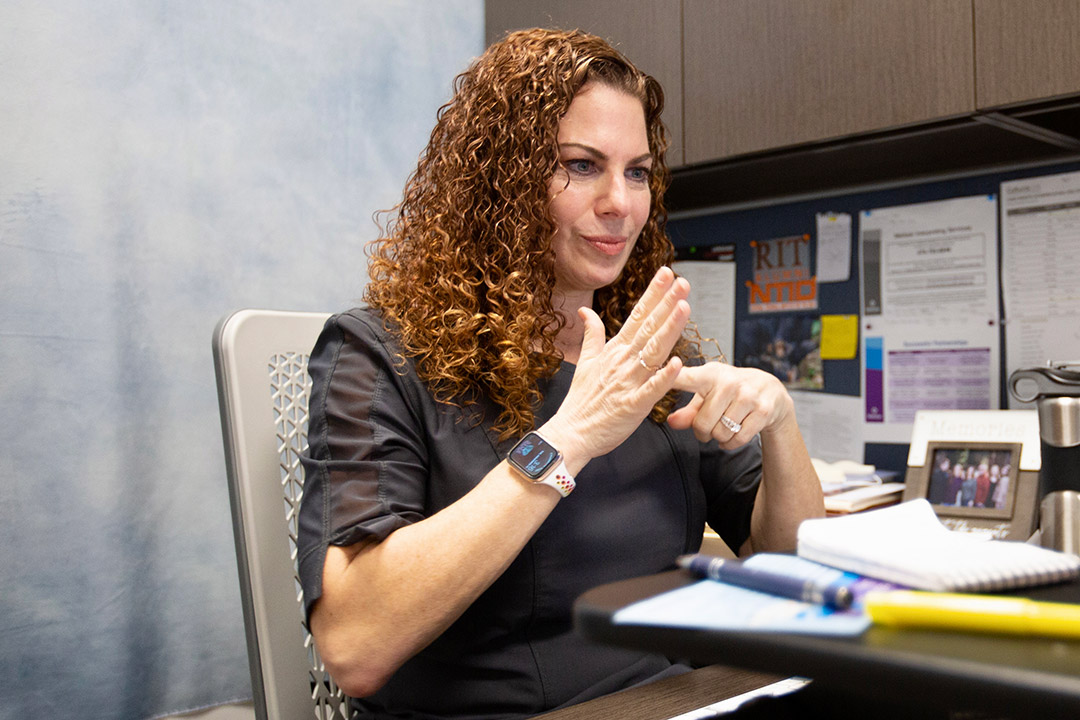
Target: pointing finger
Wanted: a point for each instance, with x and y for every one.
(695, 379)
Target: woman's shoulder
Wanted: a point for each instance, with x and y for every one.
(363, 323)
(360, 335)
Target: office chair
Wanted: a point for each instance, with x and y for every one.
(260, 360)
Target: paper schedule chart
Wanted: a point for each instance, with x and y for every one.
(929, 297)
(1040, 226)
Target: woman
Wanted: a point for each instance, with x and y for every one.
(967, 487)
(1001, 492)
(956, 485)
(982, 483)
(524, 286)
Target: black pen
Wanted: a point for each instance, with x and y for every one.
(734, 572)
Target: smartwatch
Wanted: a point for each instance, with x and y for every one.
(539, 461)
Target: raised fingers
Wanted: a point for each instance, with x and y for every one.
(658, 287)
(657, 321)
(653, 344)
(660, 299)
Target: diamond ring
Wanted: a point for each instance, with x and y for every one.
(730, 424)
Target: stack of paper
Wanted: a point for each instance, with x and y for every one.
(843, 474)
(849, 486)
(863, 497)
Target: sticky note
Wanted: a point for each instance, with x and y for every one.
(839, 336)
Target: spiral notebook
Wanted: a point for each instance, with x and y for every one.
(906, 544)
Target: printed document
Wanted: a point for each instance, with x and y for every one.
(712, 302)
(1040, 228)
(929, 293)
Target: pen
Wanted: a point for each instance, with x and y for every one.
(973, 613)
(734, 572)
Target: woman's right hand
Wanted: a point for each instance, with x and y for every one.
(613, 390)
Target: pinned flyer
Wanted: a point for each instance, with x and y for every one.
(839, 336)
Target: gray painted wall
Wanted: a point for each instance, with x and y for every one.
(162, 163)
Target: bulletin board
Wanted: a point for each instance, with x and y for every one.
(790, 232)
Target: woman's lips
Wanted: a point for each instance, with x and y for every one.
(607, 244)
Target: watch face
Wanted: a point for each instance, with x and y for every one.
(533, 456)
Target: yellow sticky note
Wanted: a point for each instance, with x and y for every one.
(839, 336)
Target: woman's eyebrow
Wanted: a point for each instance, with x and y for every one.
(600, 155)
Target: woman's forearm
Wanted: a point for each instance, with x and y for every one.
(382, 603)
(790, 491)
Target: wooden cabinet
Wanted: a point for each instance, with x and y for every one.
(1026, 50)
(764, 74)
(747, 78)
(649, 32)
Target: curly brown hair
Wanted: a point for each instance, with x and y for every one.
(464, 271)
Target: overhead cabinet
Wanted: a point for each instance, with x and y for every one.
(769, 98)
(1026, 51)
(764, 74)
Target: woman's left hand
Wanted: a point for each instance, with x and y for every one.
(730, 404)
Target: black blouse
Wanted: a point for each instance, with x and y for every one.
(383, 454)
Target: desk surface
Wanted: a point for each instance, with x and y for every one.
(1020, 677)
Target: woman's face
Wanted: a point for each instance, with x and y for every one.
(600, 197)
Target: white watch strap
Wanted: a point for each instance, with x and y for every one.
(560, 479)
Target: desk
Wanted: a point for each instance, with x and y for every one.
(1017, 677)
(667, 698)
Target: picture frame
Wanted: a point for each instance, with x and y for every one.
(935, 431)
(977, 486)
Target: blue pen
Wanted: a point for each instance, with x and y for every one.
(734, 572)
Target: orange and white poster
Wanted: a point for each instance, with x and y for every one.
(783, 278)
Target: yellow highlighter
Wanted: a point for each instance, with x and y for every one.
(973, 613)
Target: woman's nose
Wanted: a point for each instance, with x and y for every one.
(614, 197)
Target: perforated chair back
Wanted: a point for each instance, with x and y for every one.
(260, 359)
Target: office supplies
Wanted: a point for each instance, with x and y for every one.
(707, 604)
(1015, 676)
(973, 613)
(907, 544)
(805, 589)
(795, 566)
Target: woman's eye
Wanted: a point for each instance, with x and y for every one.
(640, 174)
(579, 166)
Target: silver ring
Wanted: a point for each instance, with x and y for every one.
(647, 366)
(730, 424)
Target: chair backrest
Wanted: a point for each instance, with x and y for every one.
(260, 359)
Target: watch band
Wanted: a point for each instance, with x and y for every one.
(540, 462)
(560, 479)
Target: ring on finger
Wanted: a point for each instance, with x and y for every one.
(647, 366)
(730, 424)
